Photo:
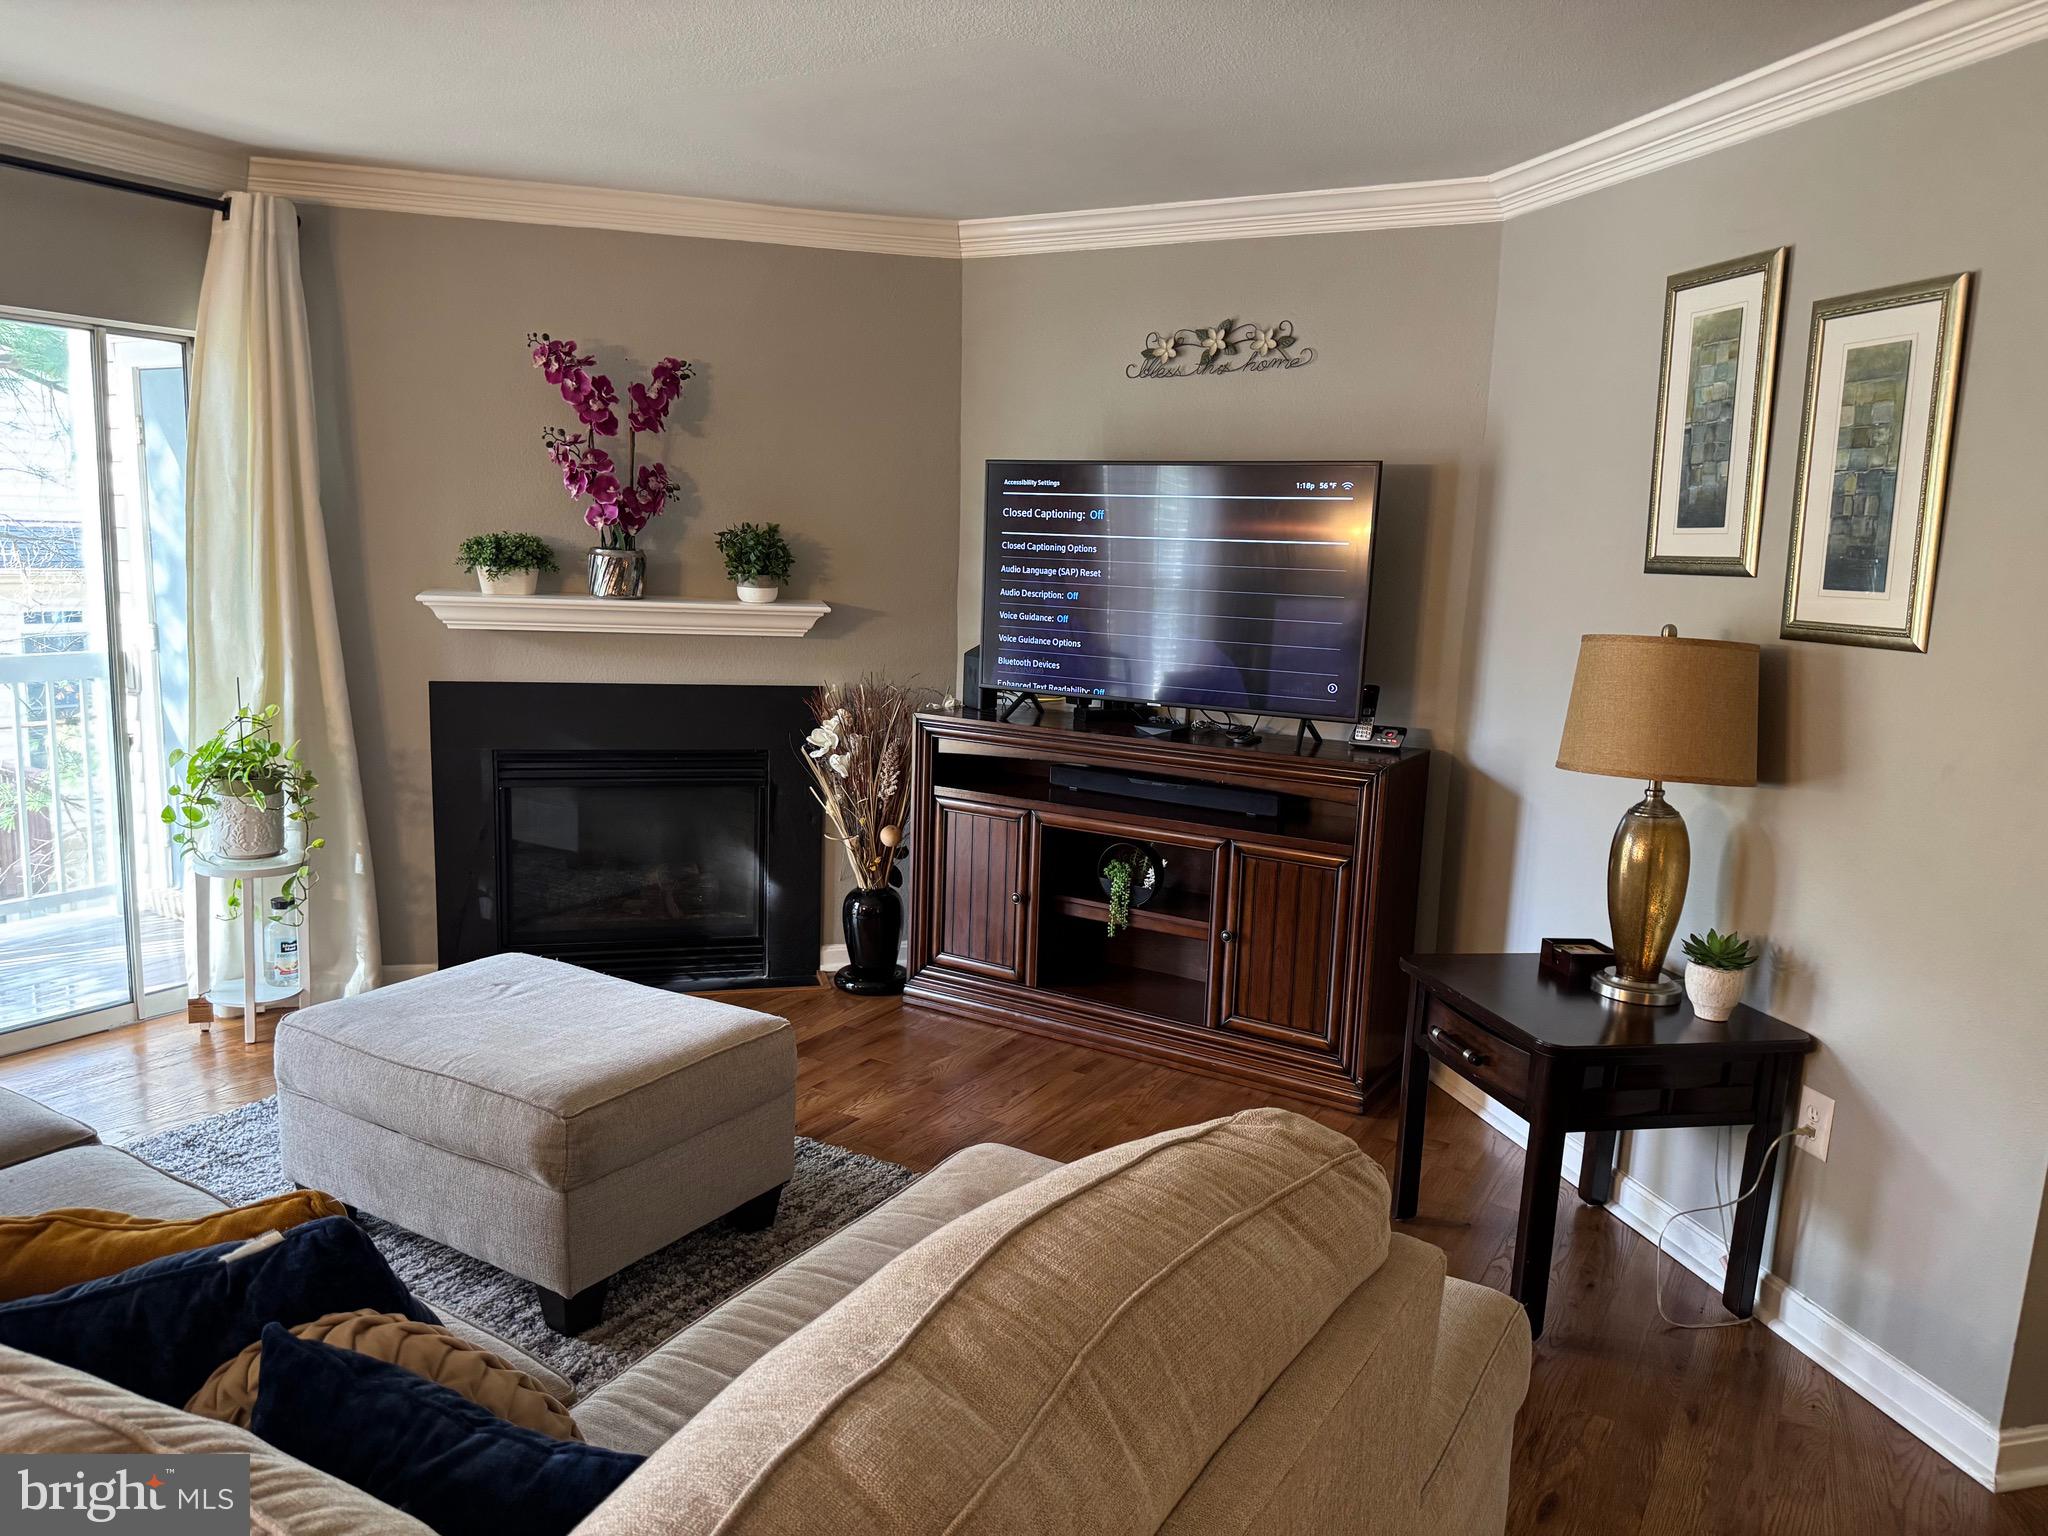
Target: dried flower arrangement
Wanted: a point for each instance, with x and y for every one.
(859, 756)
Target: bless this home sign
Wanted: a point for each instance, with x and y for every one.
(1232, 346)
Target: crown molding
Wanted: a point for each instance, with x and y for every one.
(1917, 44)
(1898, 51)
(81, 135)
(1399, 205)
(651, 213)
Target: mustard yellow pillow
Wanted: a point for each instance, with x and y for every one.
(39, 1254)
(422, 1348)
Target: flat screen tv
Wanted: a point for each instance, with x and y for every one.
(1222, 586)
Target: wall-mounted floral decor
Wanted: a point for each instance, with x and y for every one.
(1230, 346)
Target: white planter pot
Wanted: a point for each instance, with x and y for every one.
(759, 594)
(1714, 993)
(245, 831)
(507, 583)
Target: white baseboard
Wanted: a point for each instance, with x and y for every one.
(2000, 1460)
(833, 956)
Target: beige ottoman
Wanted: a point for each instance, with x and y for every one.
(548, 1120)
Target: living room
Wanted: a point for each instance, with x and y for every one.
(717, 927)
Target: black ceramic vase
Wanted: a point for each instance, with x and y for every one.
(874, 924)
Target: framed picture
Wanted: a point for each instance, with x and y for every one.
(1714, 416)
(1873, 464)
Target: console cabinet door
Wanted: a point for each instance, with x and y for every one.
(1280, 943)
(980, 897)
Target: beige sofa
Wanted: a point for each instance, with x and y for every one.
(1209, 1330)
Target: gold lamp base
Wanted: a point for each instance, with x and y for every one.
(1647, 869)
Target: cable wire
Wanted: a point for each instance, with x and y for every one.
(1657, 1272)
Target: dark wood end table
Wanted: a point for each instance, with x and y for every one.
(1567, 1059)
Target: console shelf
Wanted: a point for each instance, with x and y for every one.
(1269, 950)
(573, 613)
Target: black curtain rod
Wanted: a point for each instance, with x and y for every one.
(119, 183)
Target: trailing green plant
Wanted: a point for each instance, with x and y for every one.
(1721, 951)
(756, 554)
(243, 760)
(502, 552)
(1119, 873)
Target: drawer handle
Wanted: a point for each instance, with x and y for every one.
(1226, 936)
(1472, 1057)
(1017, 897)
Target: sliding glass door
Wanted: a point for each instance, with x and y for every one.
(92, 673)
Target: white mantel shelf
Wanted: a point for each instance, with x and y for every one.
(563, 613)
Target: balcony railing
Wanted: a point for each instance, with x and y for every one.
(59, 824)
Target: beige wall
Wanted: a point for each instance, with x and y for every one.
(827, 400)
(1402, 324)
(97, 253)
(2026, 1393)
(1893, 857)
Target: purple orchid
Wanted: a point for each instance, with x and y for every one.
(621, 505)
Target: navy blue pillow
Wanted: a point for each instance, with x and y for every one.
(423, 1448)
(161, 1328)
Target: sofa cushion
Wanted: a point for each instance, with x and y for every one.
(49, 1407)
(425, 1349)
(543, 1069)
(423, 1449)
(105, 1178)
(641, 1408)
(63, 1247)
(1065, 1357)
(1482, 1373)
(550, 1380)
(29, 1128)
(159, 1329)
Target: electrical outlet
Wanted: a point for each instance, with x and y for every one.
(1817, 1114)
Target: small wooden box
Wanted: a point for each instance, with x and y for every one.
(1573, 961)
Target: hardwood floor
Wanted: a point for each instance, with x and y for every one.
(1629, 1425)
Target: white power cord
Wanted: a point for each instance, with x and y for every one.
(1657, 1270)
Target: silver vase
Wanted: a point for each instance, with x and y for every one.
(617, 572)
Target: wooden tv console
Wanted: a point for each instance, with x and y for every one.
(1270, 950)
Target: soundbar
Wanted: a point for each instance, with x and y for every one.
(1135, 786)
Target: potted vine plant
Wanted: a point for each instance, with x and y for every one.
(506, 564)
(1715, 972)
(758, 560)
(859, 758)
(231, 796)
(1129, 876)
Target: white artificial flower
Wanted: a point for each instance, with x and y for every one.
(1214, 341)
(1264, 342)
(1166, 346)
(837, 763)
(824, 739)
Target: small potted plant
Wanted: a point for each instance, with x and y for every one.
(1714, 970)
(506, 564)
(757, 560)
(230, 797)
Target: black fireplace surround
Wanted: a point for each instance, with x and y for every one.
(661, 832)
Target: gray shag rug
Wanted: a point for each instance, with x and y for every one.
(234, 1155)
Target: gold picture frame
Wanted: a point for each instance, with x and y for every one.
(1712, 439)
(1884, 368)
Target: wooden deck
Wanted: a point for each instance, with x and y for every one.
(74, 962)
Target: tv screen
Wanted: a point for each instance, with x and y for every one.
(1225, 586)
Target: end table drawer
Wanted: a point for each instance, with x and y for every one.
(1475, 1054)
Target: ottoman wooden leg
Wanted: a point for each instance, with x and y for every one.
(758, 1214)
(573, 1314)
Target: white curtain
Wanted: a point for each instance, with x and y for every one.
(262, 598)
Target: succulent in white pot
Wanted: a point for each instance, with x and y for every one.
(1716, 971)
(506, 564)
(758, 560)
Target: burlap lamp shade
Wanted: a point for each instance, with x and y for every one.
(1666, 710)
(1660, 707)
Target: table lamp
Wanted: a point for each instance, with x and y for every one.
(1664, 709)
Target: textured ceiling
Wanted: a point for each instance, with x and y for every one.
(959, 110)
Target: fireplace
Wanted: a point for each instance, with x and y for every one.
(664, 833)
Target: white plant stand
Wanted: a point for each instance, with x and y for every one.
(233, 996)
